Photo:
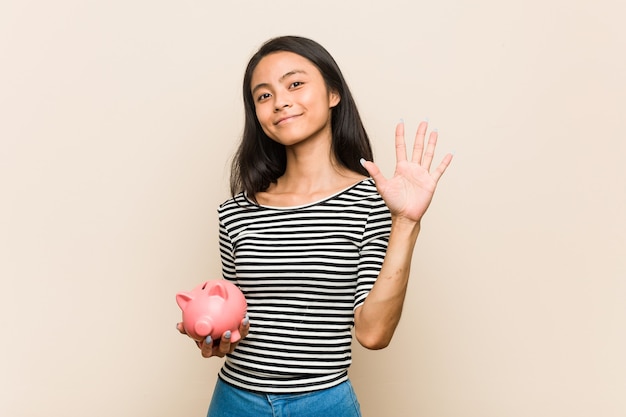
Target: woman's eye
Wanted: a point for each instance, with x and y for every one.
(296, 84)
(263, 96)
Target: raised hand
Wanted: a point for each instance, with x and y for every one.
(409, 192)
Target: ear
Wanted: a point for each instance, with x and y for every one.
(218, 290)
(333, 98)
(182, 298)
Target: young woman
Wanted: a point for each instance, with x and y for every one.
(318, 240)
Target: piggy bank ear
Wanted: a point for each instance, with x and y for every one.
(182, 299)
(218, 289)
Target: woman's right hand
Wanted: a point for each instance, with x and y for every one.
(208, 348)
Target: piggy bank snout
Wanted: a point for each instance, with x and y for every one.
(203, 327)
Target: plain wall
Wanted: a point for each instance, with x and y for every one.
(117, 123)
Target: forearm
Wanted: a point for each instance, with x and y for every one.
(378, 317)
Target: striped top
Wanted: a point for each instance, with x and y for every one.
(303, 271)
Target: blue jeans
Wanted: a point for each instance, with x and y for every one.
(338, 401)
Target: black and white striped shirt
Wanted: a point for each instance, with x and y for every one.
(303, 271)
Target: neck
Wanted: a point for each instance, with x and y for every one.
(309, 173)
(311, 166)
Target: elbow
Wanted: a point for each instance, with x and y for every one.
(373, 342)
(374, 334)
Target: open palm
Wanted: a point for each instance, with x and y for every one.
(409, 192)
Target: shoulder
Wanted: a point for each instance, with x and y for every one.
(361, 200)
(235, 204)
(366, 187)
(364, 191)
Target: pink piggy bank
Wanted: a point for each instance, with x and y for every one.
(212, 308)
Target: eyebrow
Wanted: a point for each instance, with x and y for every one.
(285, 75)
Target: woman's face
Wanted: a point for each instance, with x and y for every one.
(291, 100)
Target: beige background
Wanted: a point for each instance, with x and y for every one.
(118, 119)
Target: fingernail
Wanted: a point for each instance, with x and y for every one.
(227, 334)
(427, 119)
(362, 161)
(246, 320)
(436, 130)
(401, 120)
(208, 340)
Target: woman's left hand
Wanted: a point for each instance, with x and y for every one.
(409, 192)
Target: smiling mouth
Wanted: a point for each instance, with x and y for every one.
(285, 119)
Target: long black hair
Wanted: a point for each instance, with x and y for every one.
(259, 160)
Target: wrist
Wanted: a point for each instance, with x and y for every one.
(404, 225)
(405, 221)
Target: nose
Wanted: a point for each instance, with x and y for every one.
(281, 101)
(279, 107)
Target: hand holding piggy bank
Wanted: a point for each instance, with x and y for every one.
(212, 308)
